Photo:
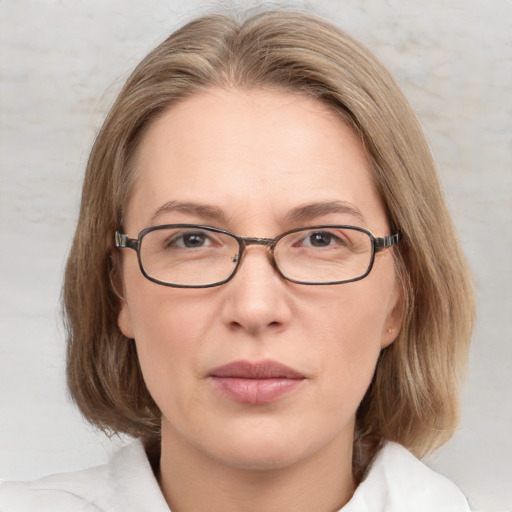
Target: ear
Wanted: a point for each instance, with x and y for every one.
(394, 318)
(124, 321)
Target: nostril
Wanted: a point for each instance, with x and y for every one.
(254, 327)
(235, 326)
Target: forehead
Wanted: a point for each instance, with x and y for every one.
(255, 154)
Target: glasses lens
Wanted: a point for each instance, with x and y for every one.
(324, 255)
(188, 256)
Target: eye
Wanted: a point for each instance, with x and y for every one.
(322, 239)
(319, 239)
(190, 240)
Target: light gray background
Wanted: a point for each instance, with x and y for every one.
(62, 63)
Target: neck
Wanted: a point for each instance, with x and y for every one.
(192, 481)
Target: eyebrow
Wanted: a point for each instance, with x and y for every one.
(200, 210)
(313, 210)
(300, 214)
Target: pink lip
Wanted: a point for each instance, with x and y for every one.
(257, 383)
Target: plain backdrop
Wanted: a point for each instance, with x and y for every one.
(61, 64)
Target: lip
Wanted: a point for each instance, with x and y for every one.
(256, 382)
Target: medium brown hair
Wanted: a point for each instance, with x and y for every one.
(413, 398)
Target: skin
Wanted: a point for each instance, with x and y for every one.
(257, 155)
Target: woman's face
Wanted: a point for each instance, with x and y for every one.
(258, 372)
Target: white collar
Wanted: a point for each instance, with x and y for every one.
(396, 482)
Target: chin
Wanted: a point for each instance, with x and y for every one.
(260, 456)
(266, 447)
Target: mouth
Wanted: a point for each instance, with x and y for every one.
(256, 383)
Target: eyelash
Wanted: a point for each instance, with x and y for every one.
(178, 240)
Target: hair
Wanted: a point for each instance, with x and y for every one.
(413, 397)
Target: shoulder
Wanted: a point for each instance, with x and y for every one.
(69, 492)
(398, 481)
(125, 484)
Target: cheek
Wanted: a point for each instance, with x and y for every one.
(165, 349)
(348, 341)
(169, 327)
(159, 317)
(351, 350)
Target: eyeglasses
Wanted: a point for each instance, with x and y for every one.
(194, 256)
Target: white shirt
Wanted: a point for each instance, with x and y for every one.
(396, 482)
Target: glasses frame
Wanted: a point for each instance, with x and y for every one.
(123, 241)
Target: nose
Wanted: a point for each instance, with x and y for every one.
(257, 298)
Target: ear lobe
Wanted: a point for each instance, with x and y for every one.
(124, 320)
(394, 319)
(388, 337)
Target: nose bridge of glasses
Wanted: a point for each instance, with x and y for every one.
(268, 243)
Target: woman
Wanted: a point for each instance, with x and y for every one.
(265, 286)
